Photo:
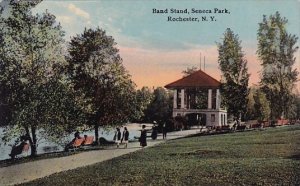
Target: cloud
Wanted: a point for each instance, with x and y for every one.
(78, 11)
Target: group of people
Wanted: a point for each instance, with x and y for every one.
(76, 136)
(143, 137)
(119, 138)
(155, 131)
(123, 138)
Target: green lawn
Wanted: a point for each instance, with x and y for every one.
(268, 157)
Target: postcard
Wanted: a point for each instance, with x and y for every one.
(161, 92)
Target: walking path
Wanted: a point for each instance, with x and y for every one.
(29, 171)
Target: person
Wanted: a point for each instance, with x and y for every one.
(18, 149)
(125, 137)
(154, 132)
(143, 138)
(164, 130)
(234, 127)
(70, 145)
(118, 137)
(84, 141)
(76, 135)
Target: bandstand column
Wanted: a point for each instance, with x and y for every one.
(182, 98)
(209, 98)
(175, 99)
(218, 103)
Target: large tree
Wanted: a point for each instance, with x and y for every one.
(250, 114)
(297, 105)
(276, 49)
(33, 89)
(235, 74)
(144, 98)
(261, 105)
(102, 84)
(160, 108)
(258, 106)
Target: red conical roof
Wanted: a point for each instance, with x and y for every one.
(196, 79)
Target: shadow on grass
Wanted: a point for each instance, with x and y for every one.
(199, 152)
(122, 148)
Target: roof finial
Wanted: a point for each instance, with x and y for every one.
(200, 60)
(204, 64)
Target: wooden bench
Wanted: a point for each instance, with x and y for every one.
(226, 128)
(88, 140)
(77, 143)
(282, 122)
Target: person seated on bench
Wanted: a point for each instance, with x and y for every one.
(88, 140)
(70, 145)
(84, 139)
(18, 149)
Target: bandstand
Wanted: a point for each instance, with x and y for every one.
(197, 97)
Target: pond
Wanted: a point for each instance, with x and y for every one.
(45, 146)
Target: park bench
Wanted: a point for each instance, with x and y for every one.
(225, 128)
(77, 143)
(257, 125)
(282, 122)
(88, 140)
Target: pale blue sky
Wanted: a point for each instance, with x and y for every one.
(140, 34)
(135, 21)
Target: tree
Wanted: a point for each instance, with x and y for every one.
(103, 87)
(160, 108)
(258, 106)
(297, 104)
(276, 49)
(144, 98)
(250, 113)
(32, 85)
(261, 105)
(235, 75)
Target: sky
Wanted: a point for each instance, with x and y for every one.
(156, 51)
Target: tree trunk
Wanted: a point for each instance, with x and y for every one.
(96, 134)
(34, 140)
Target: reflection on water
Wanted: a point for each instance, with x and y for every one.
(50, 149)
(45, 146)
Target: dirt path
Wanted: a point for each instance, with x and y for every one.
(37, 169)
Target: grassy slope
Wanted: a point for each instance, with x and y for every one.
(270, 157)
